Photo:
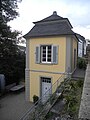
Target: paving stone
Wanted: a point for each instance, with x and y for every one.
(87, 85)
(13, 106)
(78, 73)
(88, 74)
(85, 97)
(86, 91)
(84, 111)
(88, 78)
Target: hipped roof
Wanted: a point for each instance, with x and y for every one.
(53, 25)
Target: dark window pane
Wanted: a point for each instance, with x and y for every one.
(49, 56)
(44, 55)
(44, 47)
(49, 60)
(44, 59)
(49, 52)
(49, 47)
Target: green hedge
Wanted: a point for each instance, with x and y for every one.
(81, 63)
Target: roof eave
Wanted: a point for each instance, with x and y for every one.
(68, 22)
(28, 37)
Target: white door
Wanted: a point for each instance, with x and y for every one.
(46, 90)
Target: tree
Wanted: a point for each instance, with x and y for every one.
(8, 9)
(10, 55)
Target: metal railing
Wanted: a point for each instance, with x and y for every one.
(39, 110)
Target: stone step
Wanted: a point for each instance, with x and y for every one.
(55, 111)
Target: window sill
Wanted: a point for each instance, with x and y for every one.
(47, 63)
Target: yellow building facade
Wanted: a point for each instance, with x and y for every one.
(49, 70)
(48, 57)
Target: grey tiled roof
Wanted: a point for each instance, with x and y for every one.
(80, 37)
(51, 18)
(50, 30)
(53, 25)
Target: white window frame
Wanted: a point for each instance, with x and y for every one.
(46, 54)
(54, 55)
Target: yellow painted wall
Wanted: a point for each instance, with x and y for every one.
(74, 47)
(35, 82)
(60, 67)
(61, 42)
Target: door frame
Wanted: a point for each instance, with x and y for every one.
(74, 58)
(40, 87)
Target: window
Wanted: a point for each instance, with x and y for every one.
(47, 54)
(47, 80)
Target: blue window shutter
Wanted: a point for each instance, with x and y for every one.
(55, 54)
(37, 54)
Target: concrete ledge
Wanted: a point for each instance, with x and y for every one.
(84, 111)
(17, 88)
(8, 87)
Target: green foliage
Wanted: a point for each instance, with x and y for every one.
(80, 83)
(12, 61)
(73, 98)
(9, 9)
(71, 103)
(35, 98)
(48, 115)
(81, 63)
(13, 66)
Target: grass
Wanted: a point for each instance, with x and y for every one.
(72, 95)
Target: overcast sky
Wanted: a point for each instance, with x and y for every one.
(77, 11)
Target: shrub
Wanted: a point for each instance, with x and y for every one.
(35, 98)
(81, 63)
(80, 83)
